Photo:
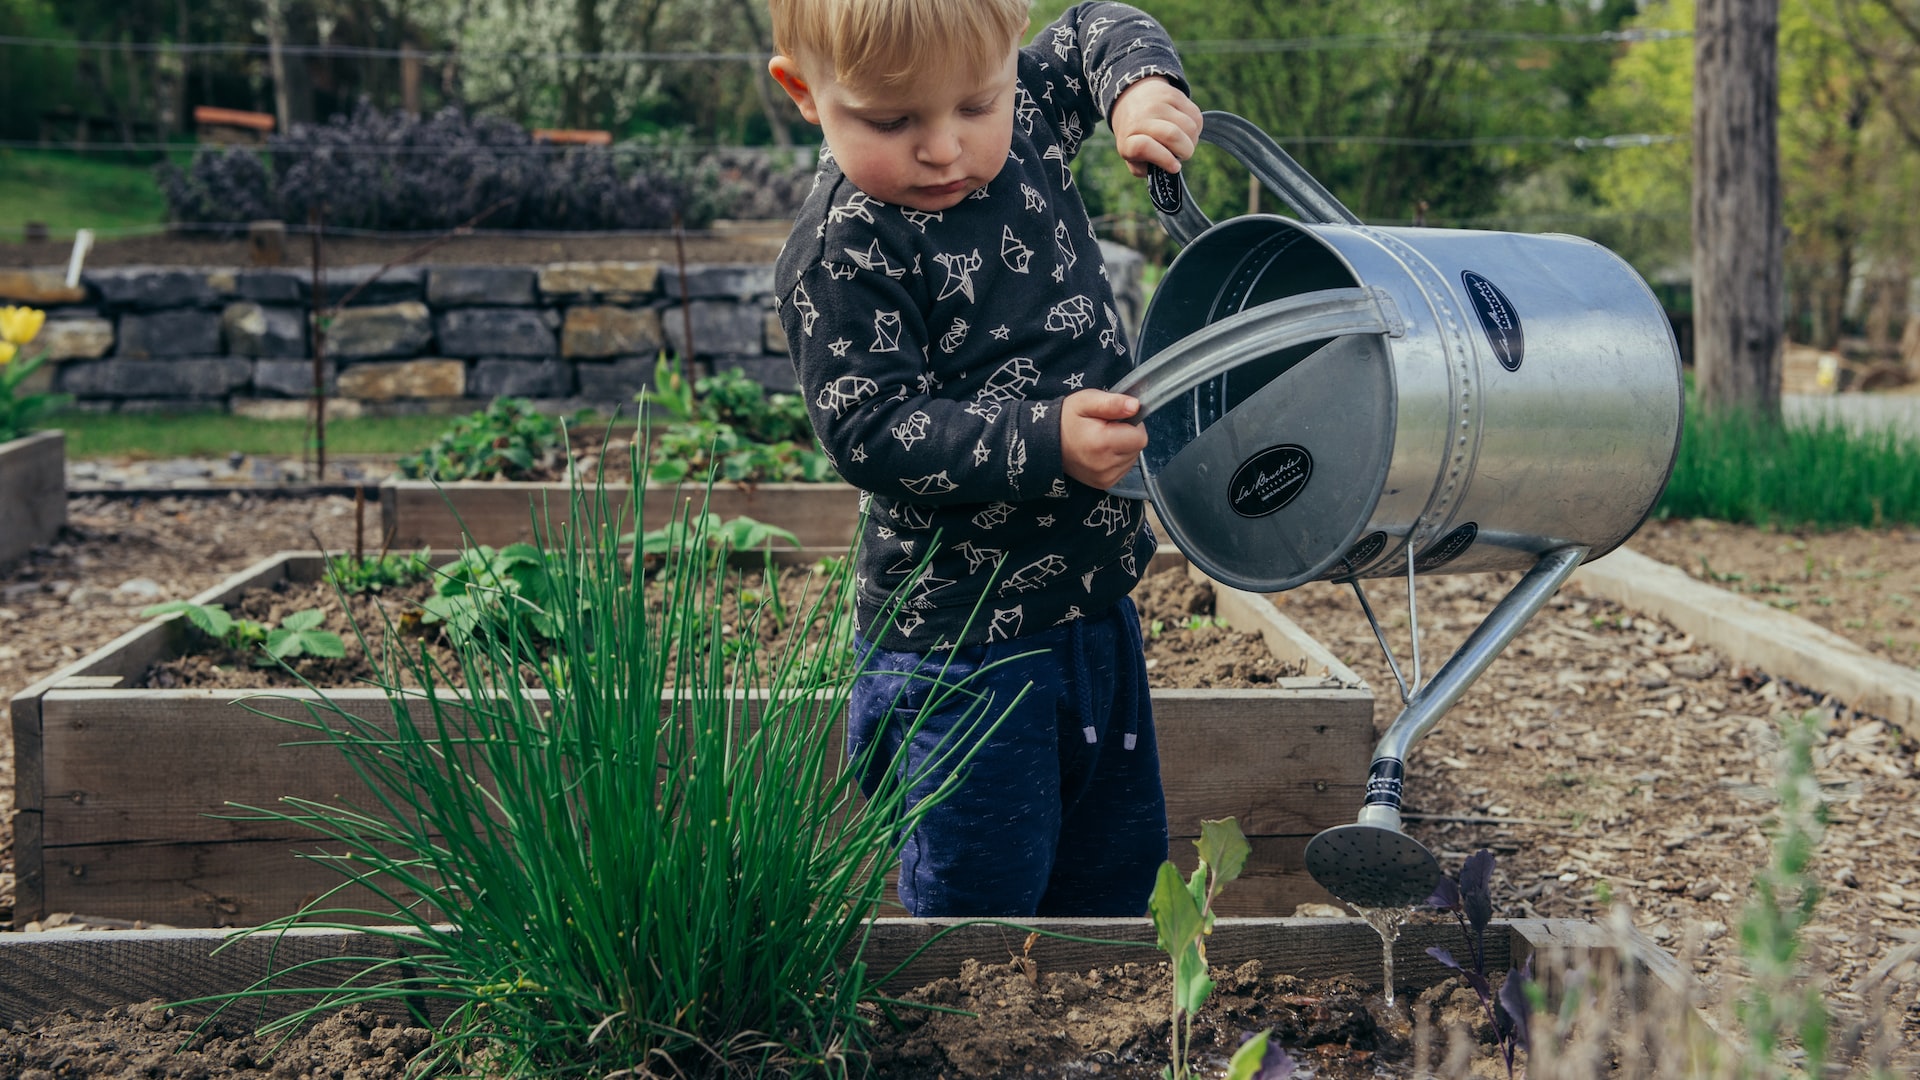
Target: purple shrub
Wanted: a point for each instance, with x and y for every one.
(401, 173)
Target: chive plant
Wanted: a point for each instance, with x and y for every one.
(640, 853)
(1735, 466)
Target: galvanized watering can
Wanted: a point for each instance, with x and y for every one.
(1328, 400)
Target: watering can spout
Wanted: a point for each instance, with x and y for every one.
(1373, 863)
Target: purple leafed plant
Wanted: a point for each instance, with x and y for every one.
(1470, 898)
(393, 171)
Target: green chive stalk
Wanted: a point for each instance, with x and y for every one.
(1736, 466)
(630, 847)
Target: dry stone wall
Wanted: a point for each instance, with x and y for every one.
(411, 339)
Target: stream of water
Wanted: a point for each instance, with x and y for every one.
(1387, 923)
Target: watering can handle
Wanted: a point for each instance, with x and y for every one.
(1221, 346)
(1263, 157)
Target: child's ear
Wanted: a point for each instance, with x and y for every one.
(786, 71)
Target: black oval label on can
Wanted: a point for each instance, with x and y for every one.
(1359, 556)
(1498, 318)
(1448, 549)
(1269, 480)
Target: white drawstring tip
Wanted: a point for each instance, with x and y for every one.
(1092, 736)
(1130, 740)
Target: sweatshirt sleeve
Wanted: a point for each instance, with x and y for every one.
(1092, 53)
(859, 344)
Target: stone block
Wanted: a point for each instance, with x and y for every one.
(291, 378)
(393, 380)
(603, 330)
(40, 287)
(119, 378)
(615, 383)
(148, 288)
(776, 333)
(719, 329)
(614, 282)
(183, 332)
(476, 332)
(289, 409)
(273, 286)
(397, 284)
(462, 286)
(251, 329)
(725, 281)
(74, 339)
(403, 329)
(773, 372)
(520, 378)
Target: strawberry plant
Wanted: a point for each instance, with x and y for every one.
(298, 634)
(508, 440)
(729, 425)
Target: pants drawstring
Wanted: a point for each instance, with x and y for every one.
(1129, 707)
(1082, 679)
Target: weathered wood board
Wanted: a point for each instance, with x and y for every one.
(33, 492)
(421, 513)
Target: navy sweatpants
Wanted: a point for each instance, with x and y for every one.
(1060, 811)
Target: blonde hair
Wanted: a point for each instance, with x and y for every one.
(883, 43)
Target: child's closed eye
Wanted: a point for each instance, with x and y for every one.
(888, 126)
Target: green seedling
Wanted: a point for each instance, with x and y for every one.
(1183, 917)
(297, 635)
(354, 575)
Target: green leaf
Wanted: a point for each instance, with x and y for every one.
(1247, 1060)
(323, 643)
(282, 644)
(213, 620)
(1224, 847)
(303, 620)
(1190, 983)
(1176, 918)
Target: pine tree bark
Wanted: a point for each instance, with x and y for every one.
(1737, 303)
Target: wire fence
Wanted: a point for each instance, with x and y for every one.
(1333, 42)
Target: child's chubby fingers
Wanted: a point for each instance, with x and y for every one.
(1102, 405)
(1154, 123)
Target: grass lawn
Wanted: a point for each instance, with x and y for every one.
(75, 191)
(137, 435)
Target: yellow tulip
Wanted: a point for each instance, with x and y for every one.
(7, 349)
(19, 325)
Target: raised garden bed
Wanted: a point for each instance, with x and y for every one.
(33, 491)
(425, 514)
(1063, 1006)
(118, 790)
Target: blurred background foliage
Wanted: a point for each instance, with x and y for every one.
(1532, 115)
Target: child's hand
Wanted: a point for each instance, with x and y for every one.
(1154, 124)
(1097, 443)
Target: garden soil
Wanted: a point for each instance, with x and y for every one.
(1605, 758)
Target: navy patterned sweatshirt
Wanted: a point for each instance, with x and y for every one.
(934, 351)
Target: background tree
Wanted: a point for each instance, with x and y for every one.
(1737, 331)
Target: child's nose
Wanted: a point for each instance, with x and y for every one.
(940, 147)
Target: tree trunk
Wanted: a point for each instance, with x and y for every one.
(276, 37)
(1736, 205)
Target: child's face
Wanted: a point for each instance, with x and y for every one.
(925, 146)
